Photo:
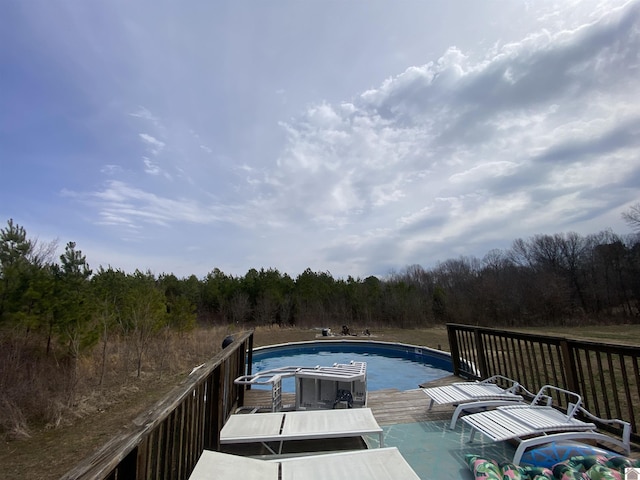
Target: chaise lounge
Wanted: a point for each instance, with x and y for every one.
(535, 424)
(470, 396)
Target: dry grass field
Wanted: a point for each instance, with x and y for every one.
(50, 451)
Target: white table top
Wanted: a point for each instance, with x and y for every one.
(299, 425)
(376, 464)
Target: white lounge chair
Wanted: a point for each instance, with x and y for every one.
(377, 464)
(475, 395)
(299, 425)
(536, 424)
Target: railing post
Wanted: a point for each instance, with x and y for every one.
(569, 366)
(455, 350)
(249, 358)
(212, 418)
(128, 468)
(482, 353)
(142, 457)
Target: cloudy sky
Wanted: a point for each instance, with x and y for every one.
(353, 137)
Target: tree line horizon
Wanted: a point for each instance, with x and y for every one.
(545, 279)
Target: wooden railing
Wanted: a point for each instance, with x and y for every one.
(166, 442)
(607, 376)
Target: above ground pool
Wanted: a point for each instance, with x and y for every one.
(389, 365)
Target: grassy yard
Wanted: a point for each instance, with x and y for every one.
(436, 337)
(50, 452)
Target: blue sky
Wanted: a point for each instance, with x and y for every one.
(351, 137)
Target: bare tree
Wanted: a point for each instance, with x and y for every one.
(239, 308)
(632, 216)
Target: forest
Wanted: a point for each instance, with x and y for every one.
(56, 312)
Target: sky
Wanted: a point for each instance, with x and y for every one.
(356, 138)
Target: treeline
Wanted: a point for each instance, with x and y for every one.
(546, 279)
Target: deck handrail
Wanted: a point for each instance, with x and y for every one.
(605, 375)
(167, 441)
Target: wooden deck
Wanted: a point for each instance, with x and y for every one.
(390, 406)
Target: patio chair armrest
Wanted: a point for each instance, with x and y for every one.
(514, 385)
(626, 426)
(542, 400)
(546, 393)
(531, 395)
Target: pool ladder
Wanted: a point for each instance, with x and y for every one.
(271, 377)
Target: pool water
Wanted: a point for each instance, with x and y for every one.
(383, 371)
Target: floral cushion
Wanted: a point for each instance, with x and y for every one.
(538, 473)
(483, 468)
(583, 467)
(602, 472)
(620, 463)
(569, 471)
(512, 472)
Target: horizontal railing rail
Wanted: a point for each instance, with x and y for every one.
(607, 376)
(167, 441)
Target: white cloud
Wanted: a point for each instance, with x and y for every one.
(154, 145)
(150, 167)
(111, 169)
(482, 171)
(145, 114)
(124, 205)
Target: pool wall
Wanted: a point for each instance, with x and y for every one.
(430, 356)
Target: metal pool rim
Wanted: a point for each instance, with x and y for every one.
(416, 353)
